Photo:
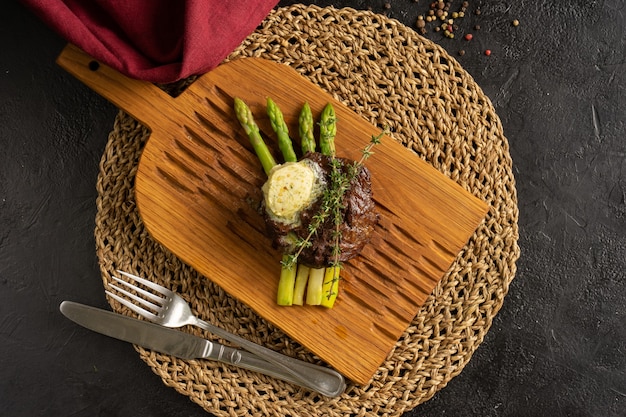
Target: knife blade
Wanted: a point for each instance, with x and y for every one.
(165, 340)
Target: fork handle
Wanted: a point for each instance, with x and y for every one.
(324, 380)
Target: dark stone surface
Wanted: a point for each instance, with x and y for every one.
(558, 346)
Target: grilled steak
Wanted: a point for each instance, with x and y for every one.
(359, 217)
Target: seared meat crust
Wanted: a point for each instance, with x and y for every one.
(359, 216)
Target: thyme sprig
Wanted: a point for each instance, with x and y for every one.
(332, 205)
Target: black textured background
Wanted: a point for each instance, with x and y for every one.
(558, 346)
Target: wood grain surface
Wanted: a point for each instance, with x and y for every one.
(198, 182)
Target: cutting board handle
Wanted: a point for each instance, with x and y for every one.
(135, 97)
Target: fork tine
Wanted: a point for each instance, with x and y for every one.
(138, 299)
(149, 284)
(141, 311)
(141, 291)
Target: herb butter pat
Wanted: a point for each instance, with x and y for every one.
(291, 188)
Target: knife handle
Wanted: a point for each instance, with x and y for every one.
(224, 354)
(246, 360)
(324, 380)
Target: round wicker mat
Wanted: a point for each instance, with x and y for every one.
(391, 76)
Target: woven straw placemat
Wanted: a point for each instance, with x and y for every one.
(391, 76)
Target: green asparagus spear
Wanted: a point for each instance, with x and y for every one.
(244, 115)
(328, 130)
(286, 285)
(331, 286)
(314, 290)
(280, 127)
(307, 138)
(302, 278)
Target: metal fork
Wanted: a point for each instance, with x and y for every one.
(171, 310)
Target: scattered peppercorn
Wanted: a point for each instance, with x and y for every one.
(441, 10)
(488, 52)
(516, 22)
(462, 52)
(387, 6)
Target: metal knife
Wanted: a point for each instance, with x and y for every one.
(169, 341)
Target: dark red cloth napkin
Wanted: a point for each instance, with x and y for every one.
(155, 40)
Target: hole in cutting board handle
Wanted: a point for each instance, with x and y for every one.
(94, 65)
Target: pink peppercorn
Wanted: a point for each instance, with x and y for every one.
(488, 52)
(468, 37)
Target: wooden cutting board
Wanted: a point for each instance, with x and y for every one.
(197, 183)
